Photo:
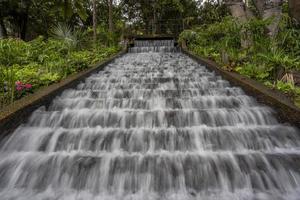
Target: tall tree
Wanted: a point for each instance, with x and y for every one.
(294, 7)
(95, 20)
(3, 32)
(267, 9)
(23, 20)
(4, 5)
(273, 10)
(259, 5)
(239, 11)
(160, 16)
(69, 8)
(270, 9)
(17, 14)
(110, 15)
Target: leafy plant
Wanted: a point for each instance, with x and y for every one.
(28, 74)
(256, 29)
(48, 78)
(285, 86)
(254, 71)
(42, 62)
(13, 51)
(188, 36)
(266, 60)
(64, 32)
(277, 59)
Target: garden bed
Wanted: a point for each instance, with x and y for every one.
(27, 66)
(17, 113)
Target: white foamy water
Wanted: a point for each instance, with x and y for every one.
(141, 46)
(152, 126)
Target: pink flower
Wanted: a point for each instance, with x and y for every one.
(19, 83)
(19, 88)
(28, 86)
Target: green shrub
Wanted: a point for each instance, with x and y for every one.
(48, 78)
(253, 71)
(29, 74)
(265, 60)
(42, 62)
(277, 59)
(189, 36)
(13, 51)
(79, 60)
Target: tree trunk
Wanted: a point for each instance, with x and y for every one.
(110, 15)
(270, 9)
(273, 9)
(294, 8)
(146, 28)
(65, 9)
(94, 21)
(23, 27)
(3, 32)
(259, 5)
(154, 21)
(238, 10)
(24, 21)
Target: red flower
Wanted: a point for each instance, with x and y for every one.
(28, 86)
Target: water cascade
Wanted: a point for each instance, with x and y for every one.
(152, 126)
(153, 46)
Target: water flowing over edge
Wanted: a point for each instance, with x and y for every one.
(153, 125)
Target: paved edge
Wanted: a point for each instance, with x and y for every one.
(286, 111)
(17, 113)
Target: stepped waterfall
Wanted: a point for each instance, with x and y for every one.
(153, 125)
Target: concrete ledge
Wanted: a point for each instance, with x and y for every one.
(286, 111)
(17, 113)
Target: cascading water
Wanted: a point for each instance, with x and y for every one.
(153, 46)
(152, 126)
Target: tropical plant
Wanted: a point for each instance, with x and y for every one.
(65, 33)
(266, 60)
(40, 63)
(276, 59)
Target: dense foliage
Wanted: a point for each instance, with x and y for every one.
(30, 18)
(269, 60)
(26, 66)
(60, 42)
(160, 16)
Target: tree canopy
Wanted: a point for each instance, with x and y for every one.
(27, 19)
